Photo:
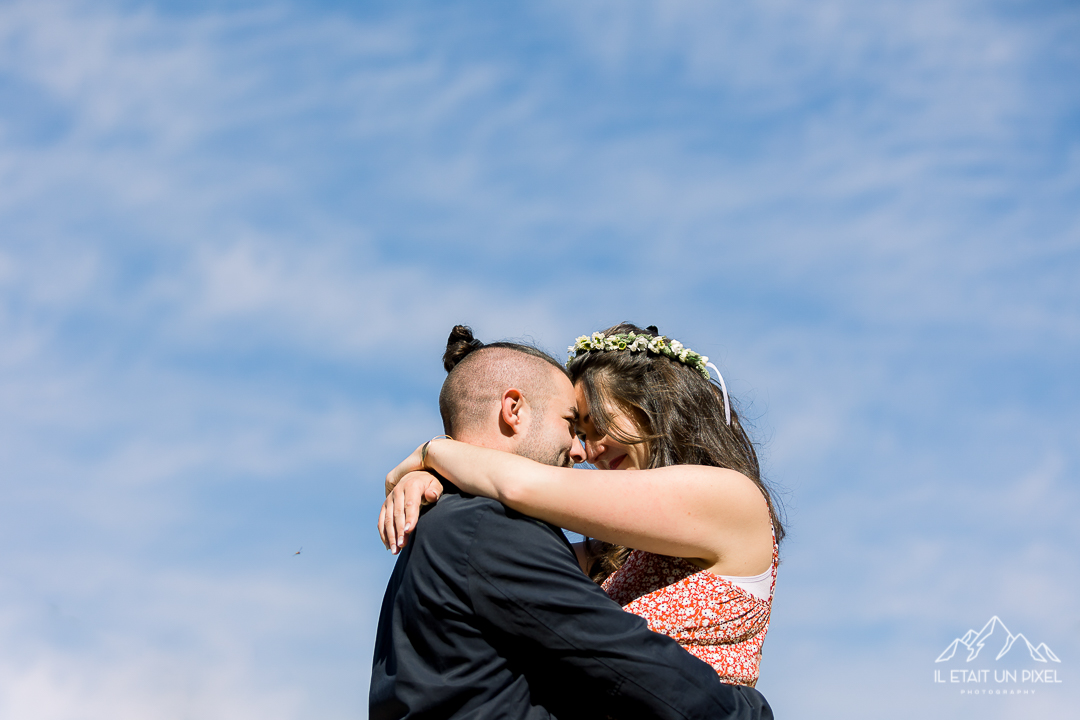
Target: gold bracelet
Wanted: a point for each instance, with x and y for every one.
(423, 450)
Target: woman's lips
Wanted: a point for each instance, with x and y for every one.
(614, 464)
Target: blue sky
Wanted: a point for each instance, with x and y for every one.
(234, 236)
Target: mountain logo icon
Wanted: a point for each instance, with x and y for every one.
(995, 634)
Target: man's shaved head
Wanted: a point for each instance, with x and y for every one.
(479, 375)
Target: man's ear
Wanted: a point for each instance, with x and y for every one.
(512, 413)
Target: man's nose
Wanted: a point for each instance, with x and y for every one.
(577, 451)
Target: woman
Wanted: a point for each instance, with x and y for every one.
(702, 524)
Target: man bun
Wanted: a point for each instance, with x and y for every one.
(460, 343)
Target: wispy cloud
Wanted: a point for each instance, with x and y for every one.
(232, 240)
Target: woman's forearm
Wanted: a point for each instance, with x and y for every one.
(483, 471)
(684, 511)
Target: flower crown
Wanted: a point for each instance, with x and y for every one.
(656, 344)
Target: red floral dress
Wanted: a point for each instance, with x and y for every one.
(712, 618)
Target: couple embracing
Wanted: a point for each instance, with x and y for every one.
(660, 612)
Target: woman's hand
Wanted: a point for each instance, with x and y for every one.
(399, 512)
(414, 462)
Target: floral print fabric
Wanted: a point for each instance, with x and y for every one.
(712, 618)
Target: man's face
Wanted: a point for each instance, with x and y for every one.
(551, 438)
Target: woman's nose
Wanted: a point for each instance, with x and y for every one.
(594, 449)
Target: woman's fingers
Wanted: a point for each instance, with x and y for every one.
(433, 491)
(386, 525)
(418, 489)
(410, 495)
(399, 518)
(401, 509)
(413, 495)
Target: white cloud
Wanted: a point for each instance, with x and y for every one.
(174, 644)
(233, 242)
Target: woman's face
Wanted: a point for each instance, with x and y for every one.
(604, 451)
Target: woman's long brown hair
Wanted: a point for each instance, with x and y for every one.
(679, 416)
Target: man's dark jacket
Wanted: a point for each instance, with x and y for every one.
(488, 615)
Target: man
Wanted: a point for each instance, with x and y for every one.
(487, 613)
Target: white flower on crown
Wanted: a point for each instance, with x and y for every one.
(634, 342)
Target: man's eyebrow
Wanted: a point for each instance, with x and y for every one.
(573, 412)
